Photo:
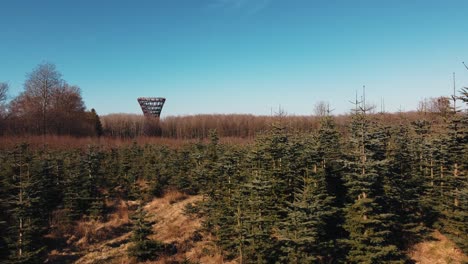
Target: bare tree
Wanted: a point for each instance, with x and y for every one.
(3, 92)
(423, 106)
(67, 110)
(321, 108)
(3, 97)
(39, 87)
(49, 105)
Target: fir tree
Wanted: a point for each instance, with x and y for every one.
(183, 175)
(368, 224)
(24, 203)
(424, 168)
(226, 208)
(330, 162)
(304, 231)
(96, 122)
(260, 217)
(143, 248)
(92, 180)
(454, 220)
(403, 187)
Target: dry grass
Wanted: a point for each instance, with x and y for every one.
(107, 242)
(439, 251)
(171, 224)
(121, 212)
(174, 196)
(91, 241)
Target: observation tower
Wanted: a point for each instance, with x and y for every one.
(151, 106)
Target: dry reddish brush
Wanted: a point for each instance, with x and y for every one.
(176, 131)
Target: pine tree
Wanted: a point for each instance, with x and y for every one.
(130, 171)
(403, 187)
(260, 217)
(330, 162)
(6, 170)
(92, 180)
(454, 220)
(24, 208)
(304, 231)
(96, 122)
(49, 186)
(143, 248)
(111, 170)
(225, 209)
(423, 149)
(180, 166)
(367, 222)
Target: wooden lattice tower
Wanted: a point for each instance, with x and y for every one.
(151, 106)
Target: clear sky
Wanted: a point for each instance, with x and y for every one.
(239, 56)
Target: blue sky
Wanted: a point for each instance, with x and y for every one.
(239, 56)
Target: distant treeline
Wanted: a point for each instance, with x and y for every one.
(198, 126)
(232, 125)
(50, 106)
(435, 110)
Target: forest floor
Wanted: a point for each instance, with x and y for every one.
(93, 242)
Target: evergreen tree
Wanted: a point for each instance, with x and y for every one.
(367, 222)
(423, 167)
(72, 187)
(260, 217)
(305, 231)
(131, 170)
(111, 171)
(143, 248)
(454, 220)
(330, 163)
(225, 209)
(96, 122)
(403, 187)
(92, 180)
(24, 209)
(181, 167)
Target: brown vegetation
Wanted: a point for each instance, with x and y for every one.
(438, 251)
(91, 241)
(126, 129)
(174, 227)
(233, 125)
(91, 236)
